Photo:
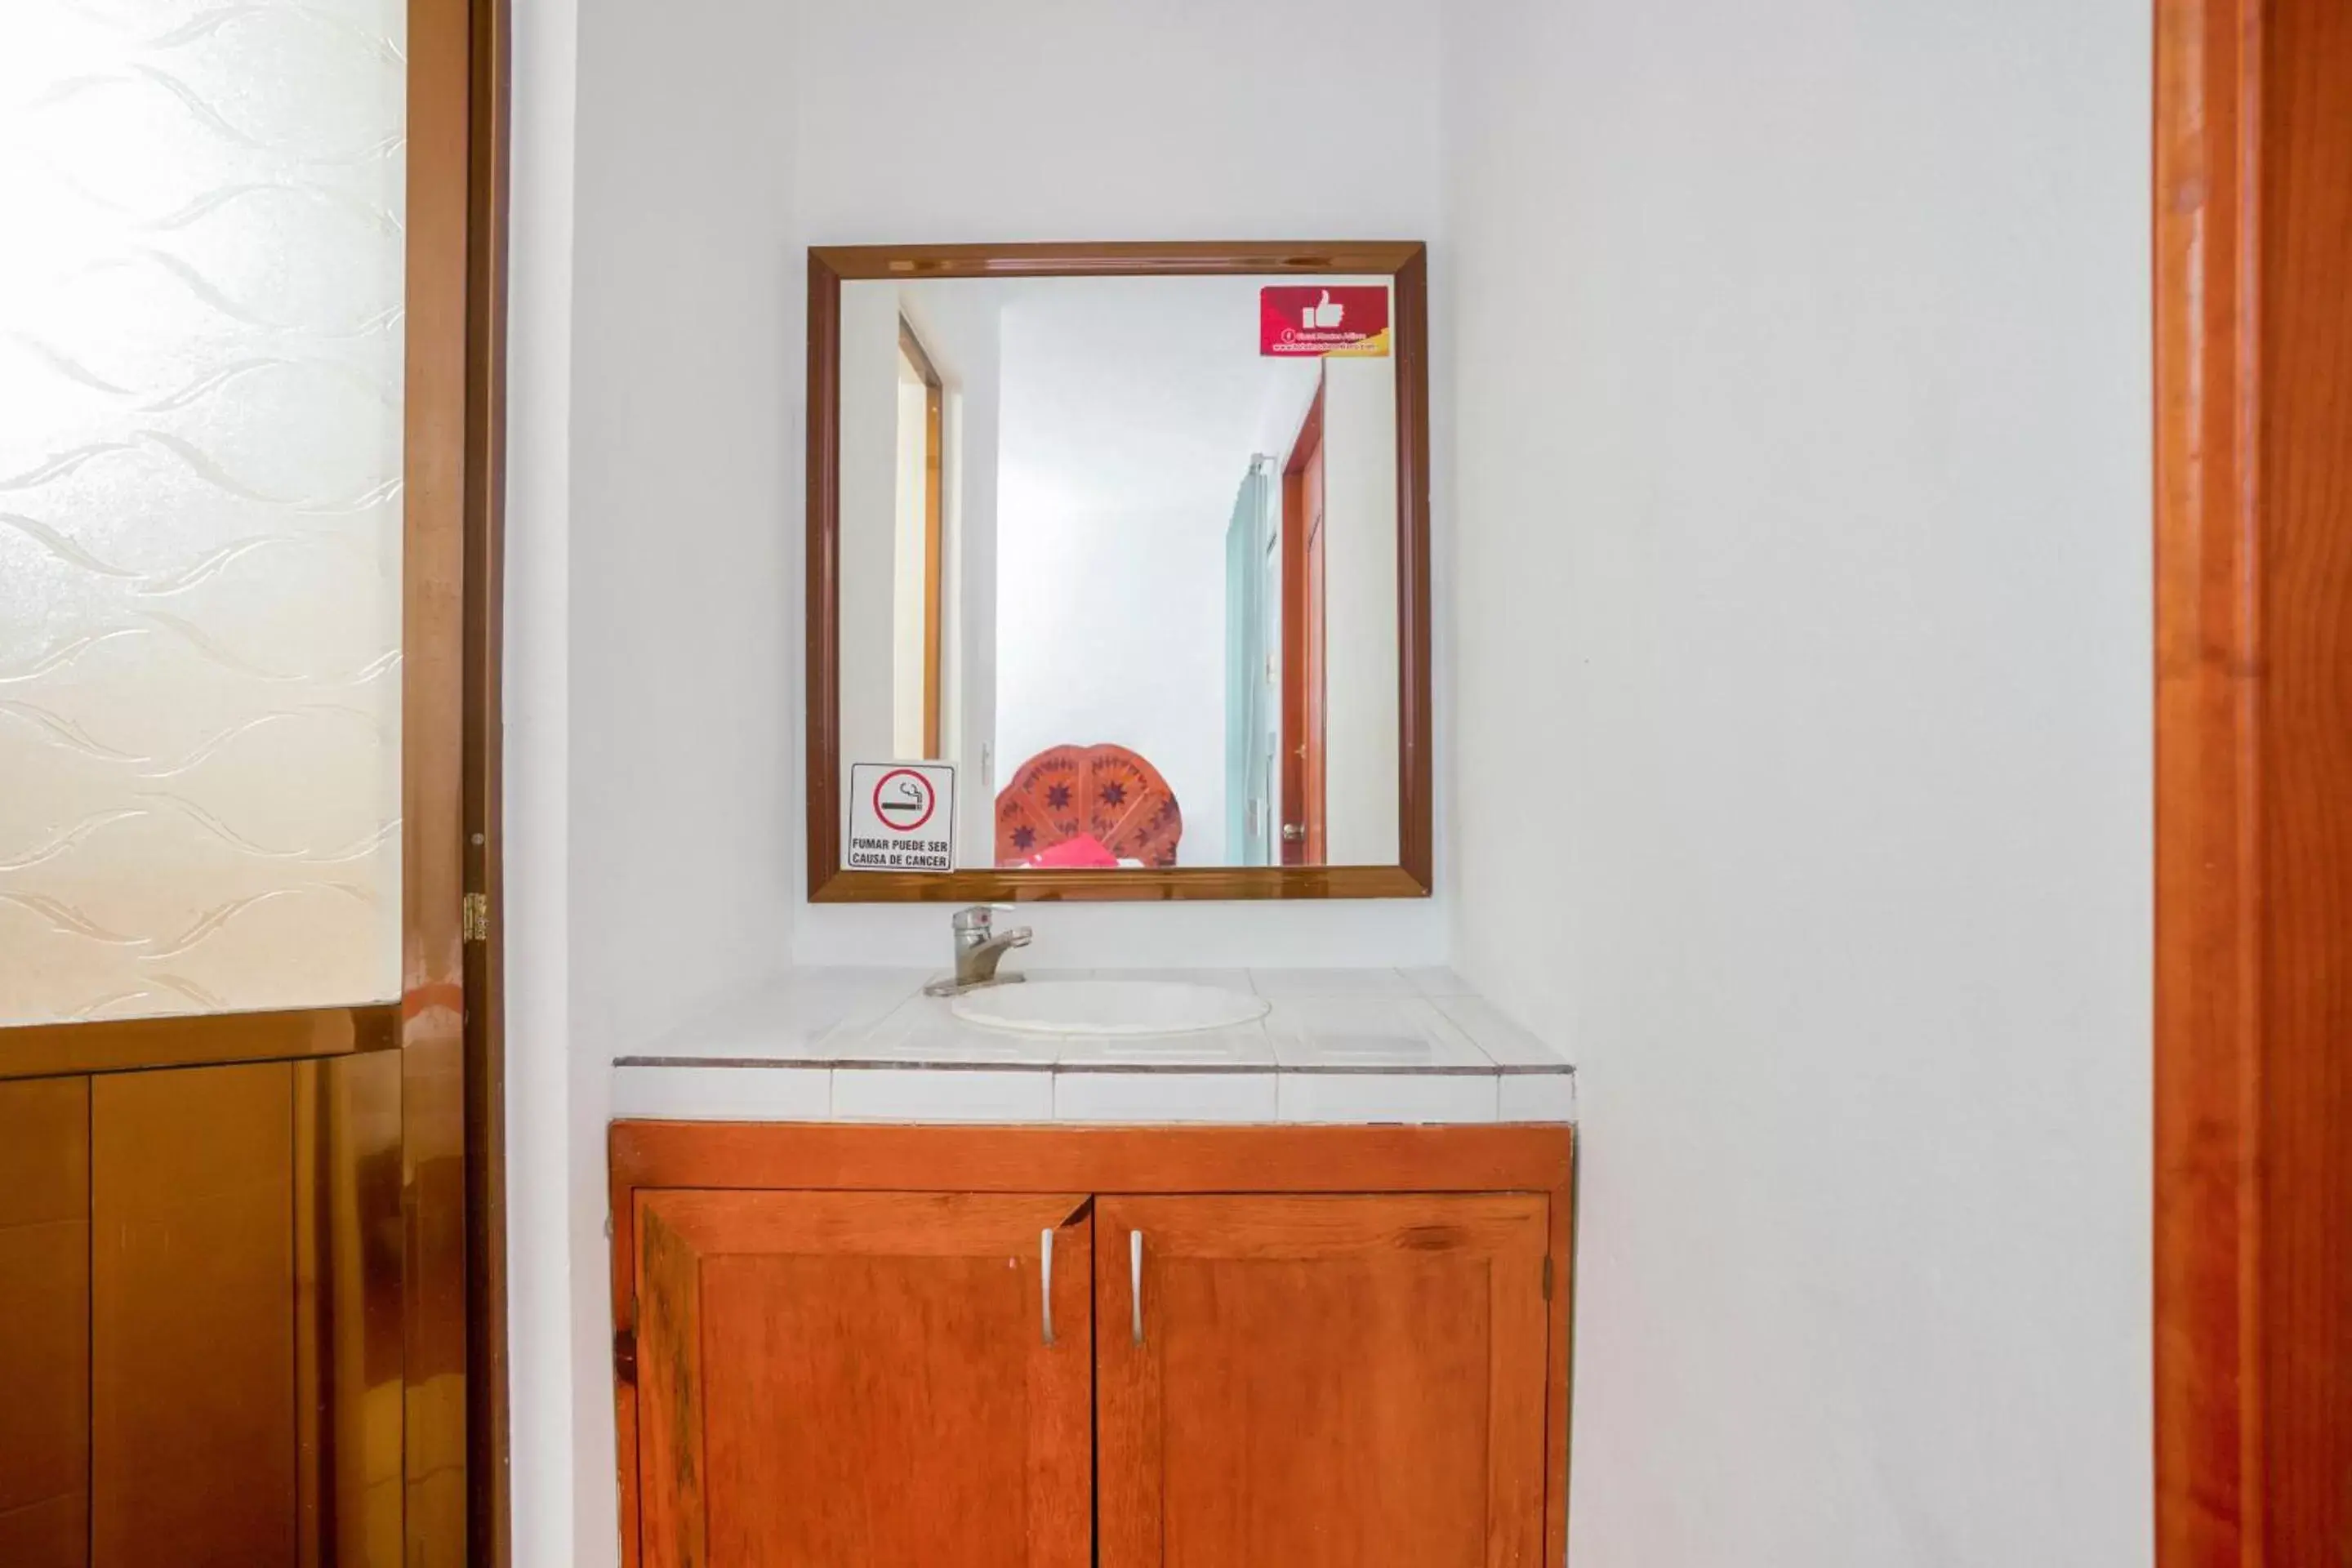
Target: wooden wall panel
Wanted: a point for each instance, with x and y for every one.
(349, 1257)
(193, 1286)
(2304, 484)
(44, 1323)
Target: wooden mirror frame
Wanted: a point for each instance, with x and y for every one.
(1405, 263)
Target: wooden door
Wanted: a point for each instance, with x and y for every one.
(1304, 646)
(244, 850)
(829, 1379)
(1321, 1382)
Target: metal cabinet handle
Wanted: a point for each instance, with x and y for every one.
(1135, 1280)
(1045, 1278)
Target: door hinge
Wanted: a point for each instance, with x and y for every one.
(624, 1357)
(478, 916)
(1547, 1277)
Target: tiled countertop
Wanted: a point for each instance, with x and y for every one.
(1335, 1045)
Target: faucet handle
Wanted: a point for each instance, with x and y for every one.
(979, 917)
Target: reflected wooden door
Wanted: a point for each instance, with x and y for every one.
(1321, 1382)
(1305, 652)
(884, 1380)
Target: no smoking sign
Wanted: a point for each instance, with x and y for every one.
(901, 818)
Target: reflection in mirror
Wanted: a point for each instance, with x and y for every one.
(1123, 551)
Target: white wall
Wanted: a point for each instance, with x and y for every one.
(1803, 449)
(1198, 121)
(550, 1188)
(1359, 598)
(1112, 632)
(869, 477)
(647, 677)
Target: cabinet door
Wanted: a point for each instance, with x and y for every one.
(1321, 1382)
(869, 1378)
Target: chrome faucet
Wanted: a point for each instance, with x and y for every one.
(978, 948)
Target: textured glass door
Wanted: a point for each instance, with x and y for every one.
(201, 410)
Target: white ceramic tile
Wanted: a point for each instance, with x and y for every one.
(1391, 1032)
(1246, 1047)
(1285, 985)
(786, 1019)
(1438, 980)
(922, 1029)
(1538, 1097)
(917, 1094)
(1149, 1097)
(1496, 1033)
(723, 1094)
(1347, 1097)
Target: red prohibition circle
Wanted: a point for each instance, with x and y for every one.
(930, 796)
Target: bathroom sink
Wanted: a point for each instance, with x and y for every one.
(1099, 1007)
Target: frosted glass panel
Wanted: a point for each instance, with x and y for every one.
(201, 252)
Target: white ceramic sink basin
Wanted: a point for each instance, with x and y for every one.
(1099, 1007)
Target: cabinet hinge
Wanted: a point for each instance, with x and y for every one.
(1547, 1277)
(624, 1357)
(478, 916)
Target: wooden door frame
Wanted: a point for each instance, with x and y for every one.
(490, 1524)
(445, 1027)
(1405, 263)
(2253, 784)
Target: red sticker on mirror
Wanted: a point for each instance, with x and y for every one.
(1347, 321)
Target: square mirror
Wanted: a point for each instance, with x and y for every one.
(1118, 572)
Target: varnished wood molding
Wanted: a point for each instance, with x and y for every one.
(1406, 262)
(2254, 855)
(44, 1050)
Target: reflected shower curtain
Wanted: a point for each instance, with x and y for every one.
(1253, 709)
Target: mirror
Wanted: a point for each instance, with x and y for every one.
(1122, 560)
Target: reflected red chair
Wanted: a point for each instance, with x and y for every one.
(1107, 791)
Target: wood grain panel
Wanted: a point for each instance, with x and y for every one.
(349, 1357)
(44, 1323)
(2305, 485)
(2253, 865)
(432, 794)
(1116, 259)
(52, 1534)
(1322, 1381)
(833, 1155)
(193, 1290)
(838, 1378)
(130, 1044)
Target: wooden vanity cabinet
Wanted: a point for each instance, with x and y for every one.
(1214, 1348)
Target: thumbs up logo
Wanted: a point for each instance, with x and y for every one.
(1322, 316)
(1316, 319)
